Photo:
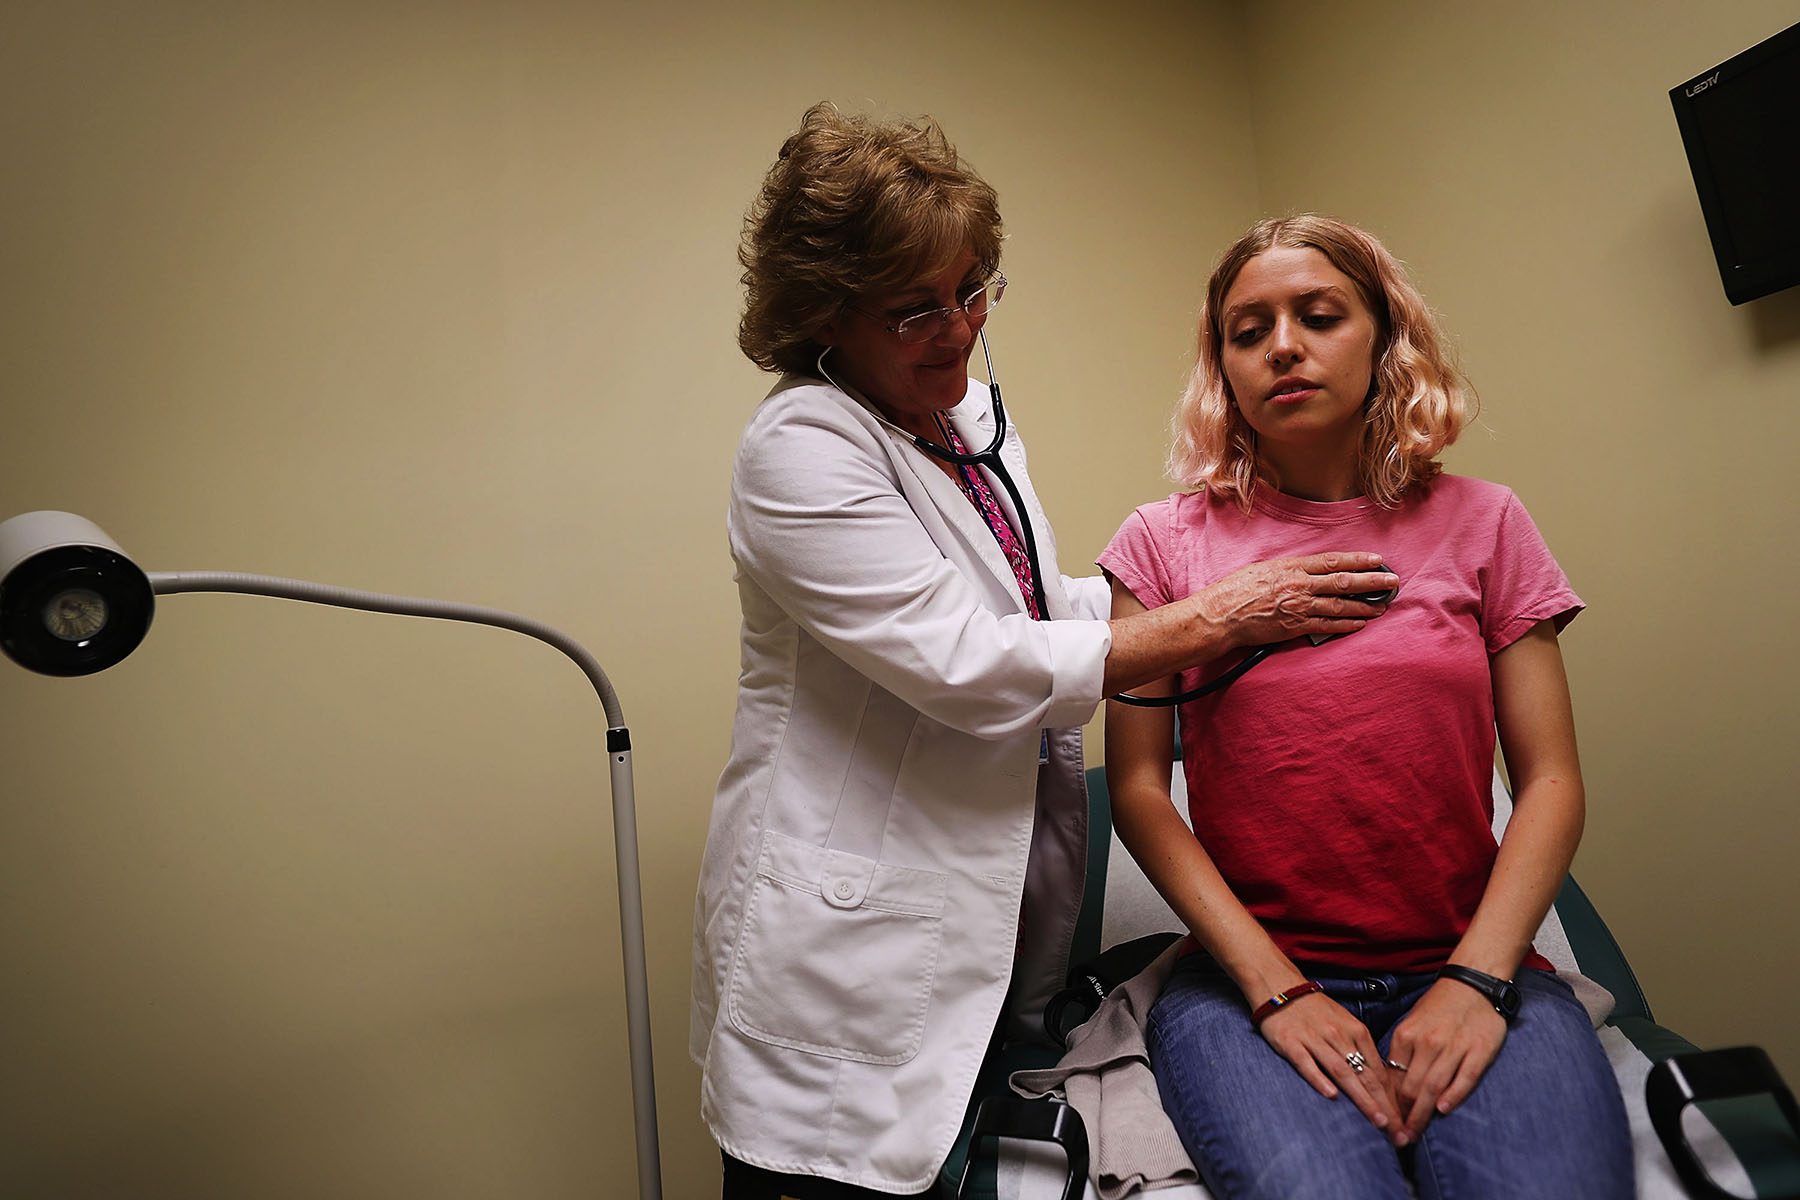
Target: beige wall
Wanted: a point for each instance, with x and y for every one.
(1524, 159)
(440, 299)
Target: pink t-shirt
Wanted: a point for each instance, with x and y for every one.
(1343, 789)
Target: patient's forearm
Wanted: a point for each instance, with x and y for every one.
(1186, 877)
(1540, 842)
(1537, 734)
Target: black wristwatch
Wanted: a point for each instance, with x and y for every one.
(1504, 994)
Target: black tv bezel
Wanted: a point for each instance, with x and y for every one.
(1743, 281)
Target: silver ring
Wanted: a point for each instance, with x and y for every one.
(1357, 1062)
(1395, 1065)
(1269, 357)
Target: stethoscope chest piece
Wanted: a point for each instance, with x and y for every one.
(1225, 680)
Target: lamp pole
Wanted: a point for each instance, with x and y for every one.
(62, 581)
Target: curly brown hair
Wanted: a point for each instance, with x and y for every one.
(853, 206)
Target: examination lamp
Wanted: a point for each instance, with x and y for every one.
(73, 603)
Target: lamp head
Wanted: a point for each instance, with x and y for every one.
(71, 602)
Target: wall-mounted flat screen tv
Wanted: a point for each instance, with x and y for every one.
(1740, 121)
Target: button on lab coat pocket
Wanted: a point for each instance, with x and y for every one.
(838, 953)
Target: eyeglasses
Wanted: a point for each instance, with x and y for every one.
(922, 327)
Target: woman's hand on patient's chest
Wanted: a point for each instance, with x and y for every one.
(1446, 1043)
(1317, 1035)
(1286, 598)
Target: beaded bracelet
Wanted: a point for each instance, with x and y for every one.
(1268, 1007)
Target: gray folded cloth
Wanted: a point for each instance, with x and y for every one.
(1105, 1076)
(1595, 999)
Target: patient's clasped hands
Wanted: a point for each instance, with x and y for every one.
(1446, 1043)
(1319, 1036)
(1436, 1057)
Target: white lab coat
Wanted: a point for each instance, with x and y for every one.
(865, 872)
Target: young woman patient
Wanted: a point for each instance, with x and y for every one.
(1362, 1007)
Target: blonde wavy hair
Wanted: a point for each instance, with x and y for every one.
(1419, 402)
(854, 206)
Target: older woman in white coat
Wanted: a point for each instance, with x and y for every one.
(897, 843)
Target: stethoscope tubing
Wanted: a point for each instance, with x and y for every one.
(989, 458)
(1215, 684)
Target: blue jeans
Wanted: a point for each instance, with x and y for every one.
(1545, 1120)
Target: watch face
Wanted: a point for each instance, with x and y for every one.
(1508, 1000)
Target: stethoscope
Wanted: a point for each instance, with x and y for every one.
(990, 458)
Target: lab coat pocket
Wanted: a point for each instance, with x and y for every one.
(838, 953)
